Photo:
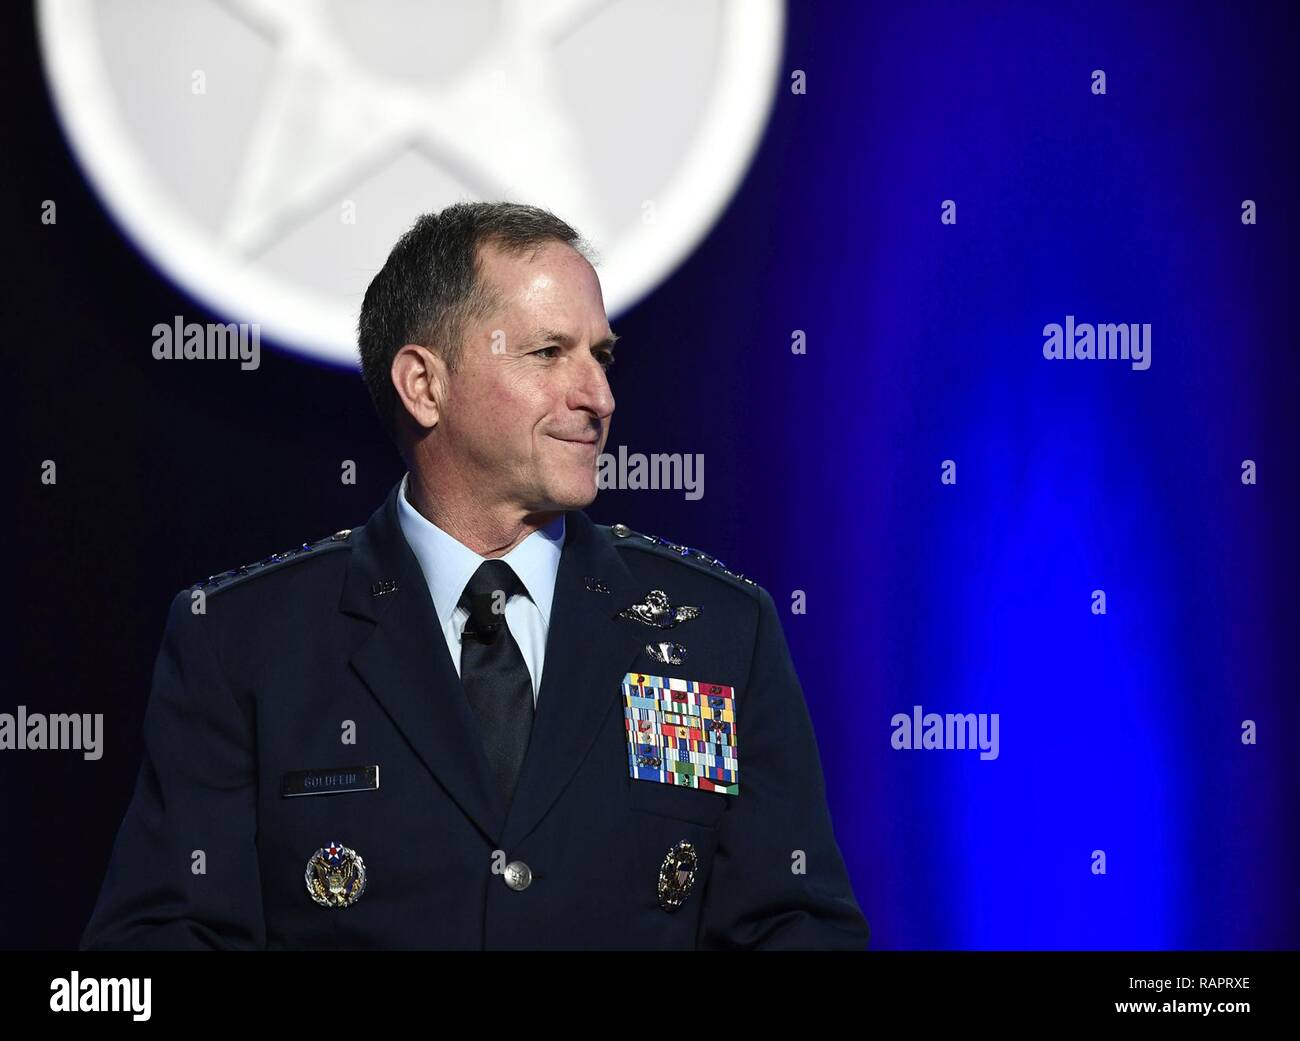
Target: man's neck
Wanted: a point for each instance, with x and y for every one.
(488, 532)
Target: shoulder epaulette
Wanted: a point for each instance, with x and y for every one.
(226, 578)
(687, 553)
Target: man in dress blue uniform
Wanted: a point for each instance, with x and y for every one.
(480, 721)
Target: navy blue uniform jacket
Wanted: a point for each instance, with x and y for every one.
(291, 654)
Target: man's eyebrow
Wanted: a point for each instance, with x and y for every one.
(607, 344)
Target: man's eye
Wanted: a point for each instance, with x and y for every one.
(544, 349)
(606, 359)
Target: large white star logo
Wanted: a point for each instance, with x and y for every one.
(327, 123)
(266, 154)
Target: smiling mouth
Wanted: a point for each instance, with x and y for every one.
(576, 441)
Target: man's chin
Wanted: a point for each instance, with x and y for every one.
(561, 496)
(576, 494)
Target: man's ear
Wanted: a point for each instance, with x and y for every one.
(420, 378)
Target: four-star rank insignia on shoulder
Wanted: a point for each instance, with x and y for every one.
(681, 732)
(687, 553)
(215, 582)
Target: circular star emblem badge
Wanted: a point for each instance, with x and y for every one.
(335, 876)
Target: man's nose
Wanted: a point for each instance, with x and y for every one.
(591, 390)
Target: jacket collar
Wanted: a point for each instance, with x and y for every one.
(448, 564)
(405, 663)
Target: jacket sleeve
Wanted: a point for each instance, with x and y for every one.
(196, 793)
(778, 880)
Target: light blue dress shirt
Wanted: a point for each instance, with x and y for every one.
(449, 564)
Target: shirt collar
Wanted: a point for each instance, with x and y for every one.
(448, 564)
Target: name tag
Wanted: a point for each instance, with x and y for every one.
(329, 781)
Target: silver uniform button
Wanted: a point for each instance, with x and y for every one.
(518, 875)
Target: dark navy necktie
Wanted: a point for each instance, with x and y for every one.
(493, 672)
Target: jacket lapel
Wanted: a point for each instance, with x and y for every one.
(588, 651)
(406, 665)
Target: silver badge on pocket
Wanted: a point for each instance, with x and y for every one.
(335, 876)
(677, 875)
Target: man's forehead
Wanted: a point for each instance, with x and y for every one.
(553, 297)
(548, 265)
